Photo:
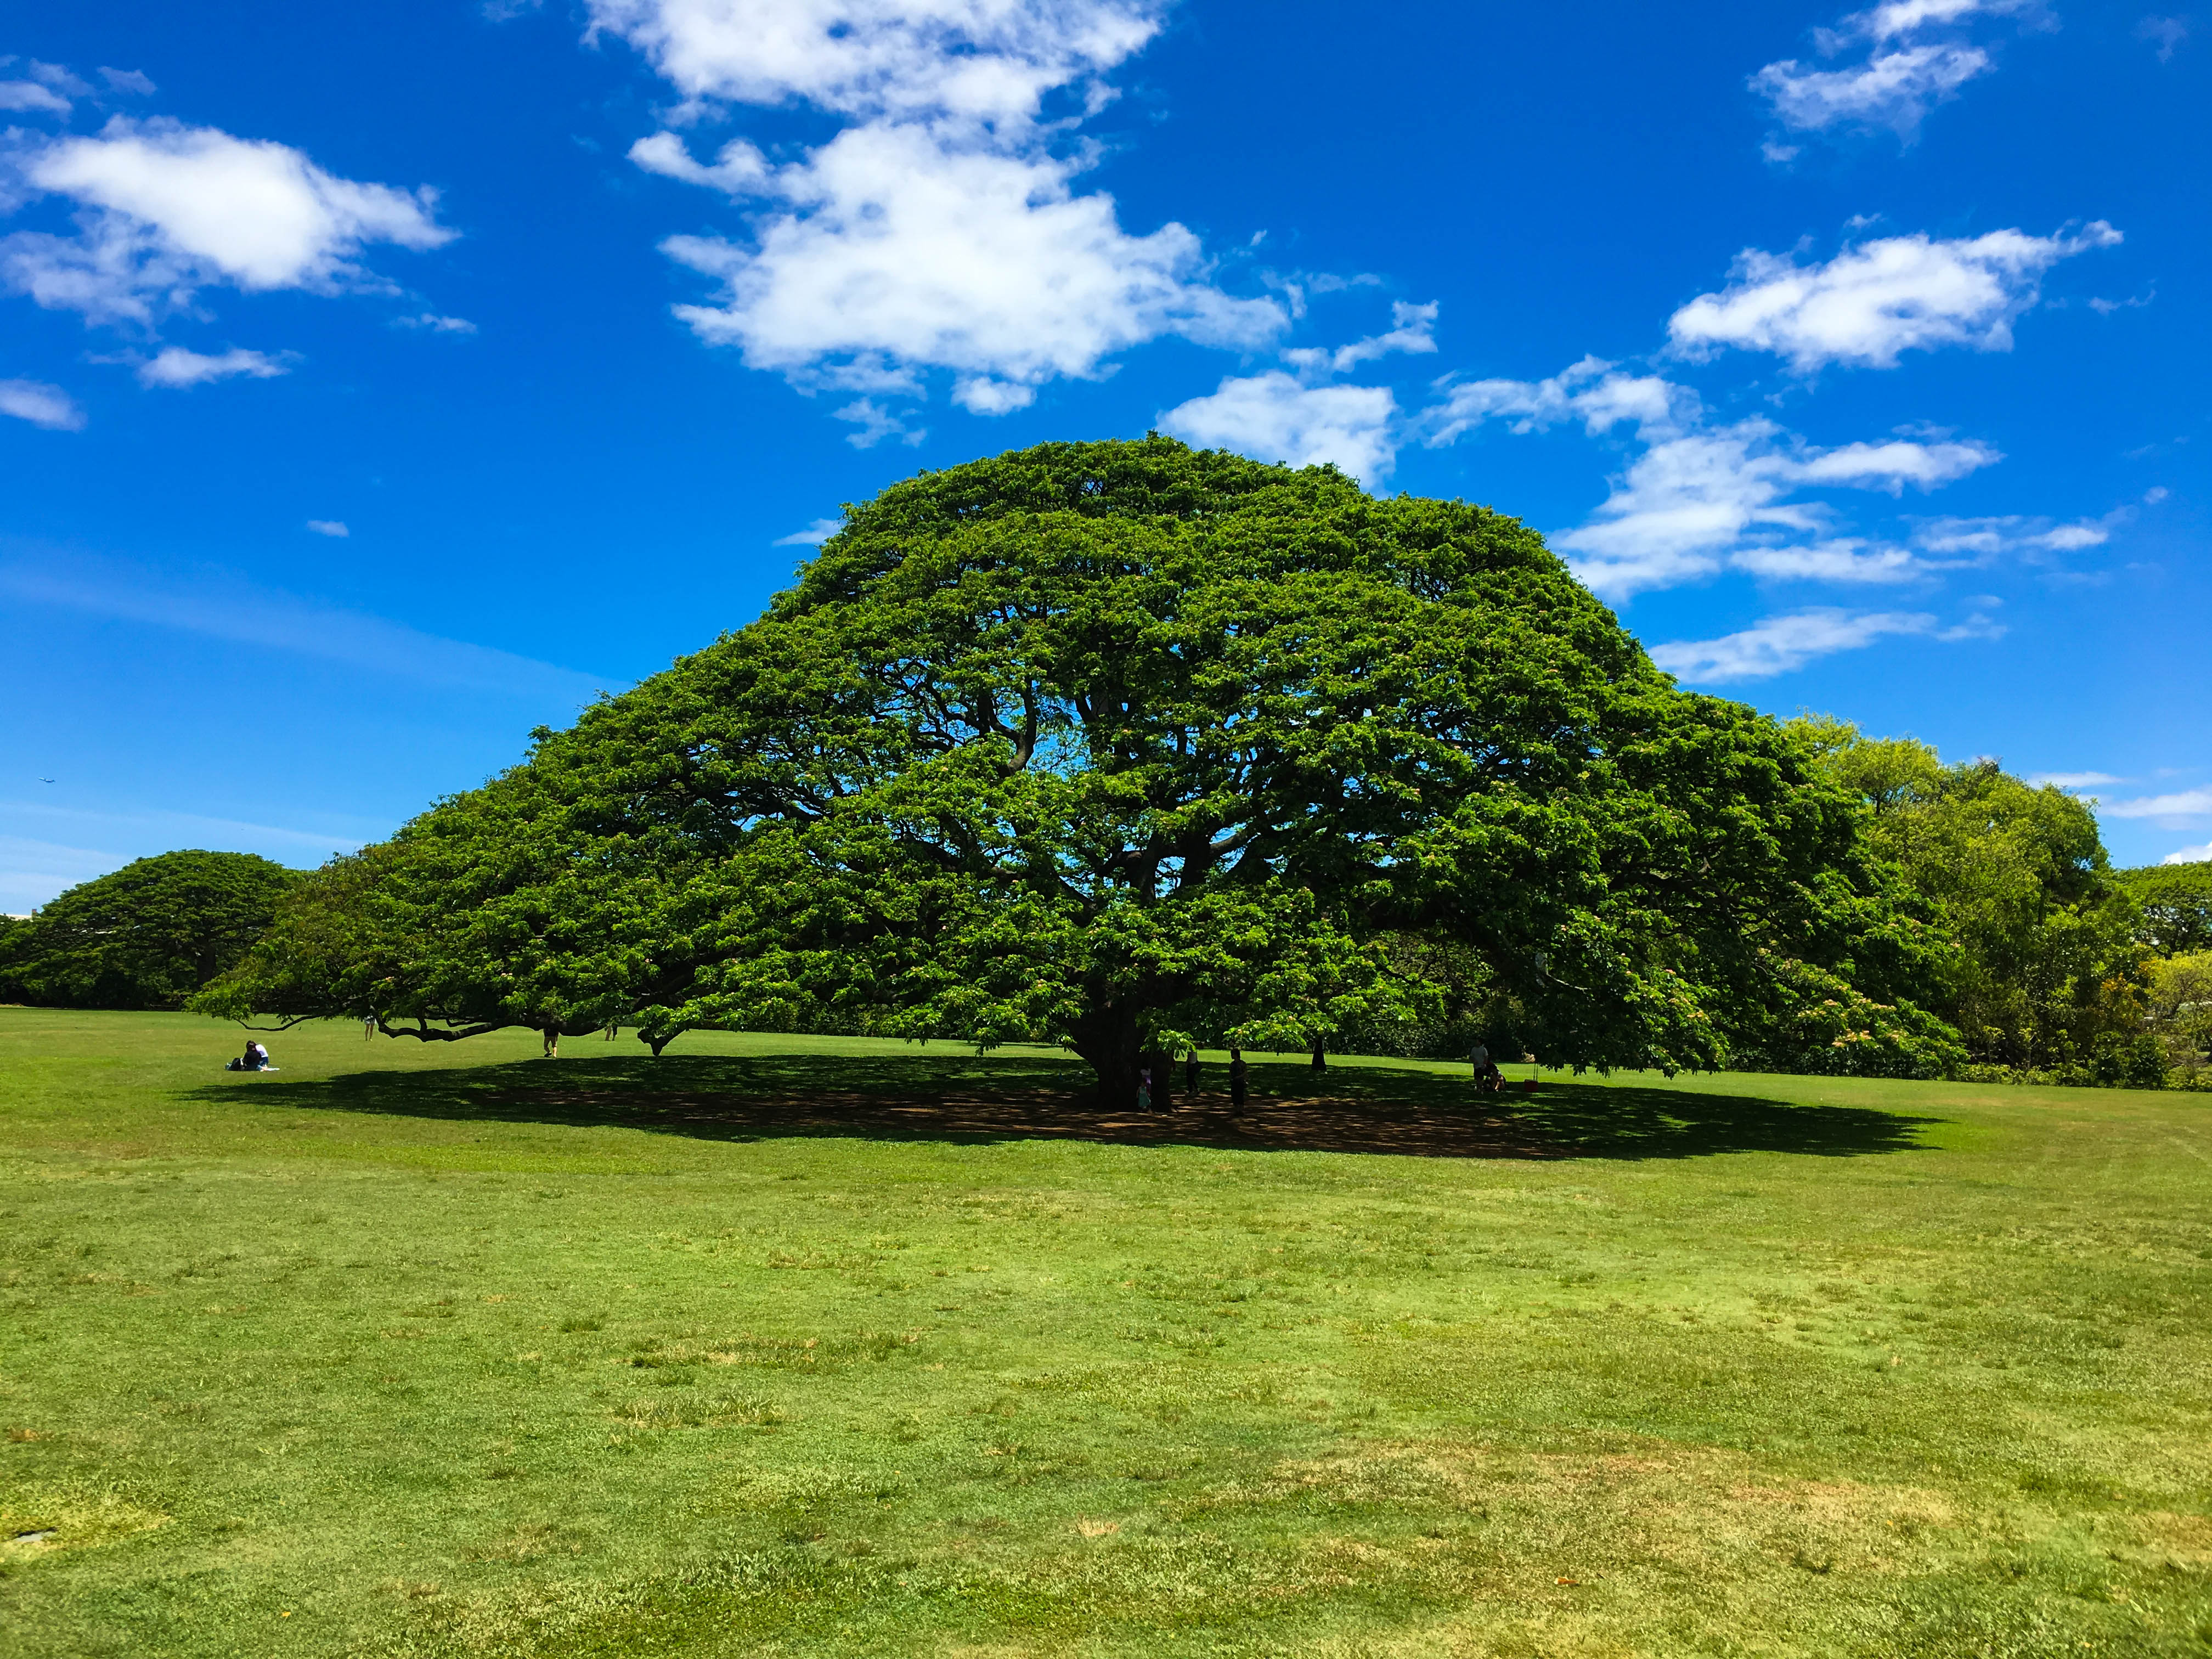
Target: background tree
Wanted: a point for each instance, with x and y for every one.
(147, 936)
(2175, 904)
(1128, 746)
(2048, 963)
(2179, 1006)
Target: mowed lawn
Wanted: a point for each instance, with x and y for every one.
(782, 1346)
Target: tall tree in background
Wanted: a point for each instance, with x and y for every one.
(2175, 903)
(1128, 746)
(147, 936)
(2048, 965)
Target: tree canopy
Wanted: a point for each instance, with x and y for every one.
(2048, 964)
(1129, 746)
(146, 936)
(2175, 904)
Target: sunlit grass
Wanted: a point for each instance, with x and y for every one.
(824, 1347)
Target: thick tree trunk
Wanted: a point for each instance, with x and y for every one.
(1319, 1056)
(1107, 1037)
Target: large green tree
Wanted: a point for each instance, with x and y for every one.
(1127, 746)
(146, 936)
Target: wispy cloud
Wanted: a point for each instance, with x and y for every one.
(222, 605)
(813, 536)
(42, 405)
(1779, 644)
(1703, 498)
(2165, 34)
(1916, 54)
(2186, 804)
(33, 869)
(174, 366)
(336, 527)
(2188, 854)
(2073, 780)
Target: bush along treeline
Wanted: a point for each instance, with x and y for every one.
(1129, 747)
(146, 936)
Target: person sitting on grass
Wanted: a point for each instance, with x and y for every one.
(255, 1059)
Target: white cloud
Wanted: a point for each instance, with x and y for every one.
(972, 62)
(941, 229)
(30, 98)
(329, 527)
(430, 322)
(1872, 301)
(134, 82)
(1276, 417)
(173, 366)
(1780, 643)
(165, 209)
(2073, 780)
(42, 405)
(1700, 497)
(1902, 76)
(2188, 803)
(223, 604)
(894, 253)
(813, 536)
(2188, 854)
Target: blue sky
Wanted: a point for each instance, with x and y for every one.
(376, 383)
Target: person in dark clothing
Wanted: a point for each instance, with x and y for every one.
(1190, 1071)
(1239, 1078)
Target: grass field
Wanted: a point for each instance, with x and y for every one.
(778, 1346)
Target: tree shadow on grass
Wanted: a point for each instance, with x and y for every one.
(967, 1098)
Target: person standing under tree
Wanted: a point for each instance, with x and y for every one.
(1239, 1078)
(1190, 1070)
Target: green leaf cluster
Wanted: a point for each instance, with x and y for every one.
(1128, 746)
(146, 936)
